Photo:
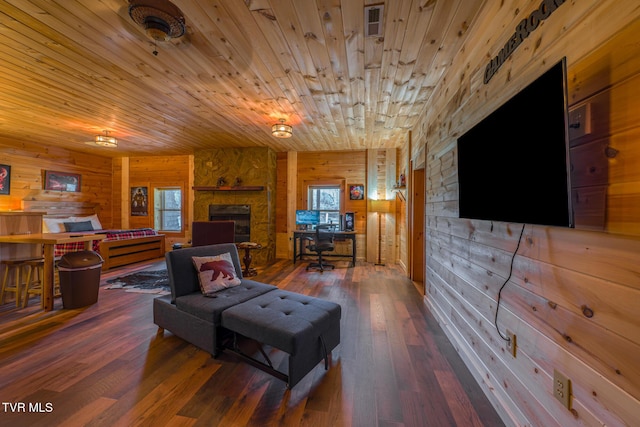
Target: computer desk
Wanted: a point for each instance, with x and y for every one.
(299, 247)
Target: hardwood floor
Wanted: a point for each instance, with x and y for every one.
(103, 365)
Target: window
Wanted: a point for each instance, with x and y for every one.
(326, 199)
(168, 209)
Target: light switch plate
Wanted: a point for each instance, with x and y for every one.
(580, 121)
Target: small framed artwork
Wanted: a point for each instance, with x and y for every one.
(61, 181)
(356, 192)
(5, 179)
(139, 201)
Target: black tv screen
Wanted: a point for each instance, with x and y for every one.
(513, 166)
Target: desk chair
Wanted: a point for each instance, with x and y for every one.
(321, 242)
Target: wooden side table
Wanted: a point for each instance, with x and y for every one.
(248, 247)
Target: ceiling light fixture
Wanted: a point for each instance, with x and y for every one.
(106, 140)
(281, 130)
(161, 19)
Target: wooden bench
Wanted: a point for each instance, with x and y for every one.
(127, 251)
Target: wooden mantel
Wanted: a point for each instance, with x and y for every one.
(230, 188)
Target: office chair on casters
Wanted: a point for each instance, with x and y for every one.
(321, 242)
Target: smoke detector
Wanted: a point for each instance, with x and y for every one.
(161, 19)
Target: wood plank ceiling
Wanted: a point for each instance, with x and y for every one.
(71, 69)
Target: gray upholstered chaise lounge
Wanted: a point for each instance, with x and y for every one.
(306, 328)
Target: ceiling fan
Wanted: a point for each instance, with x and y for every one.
(160, 19)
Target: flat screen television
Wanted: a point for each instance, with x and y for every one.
(514, 165)
(307, 217)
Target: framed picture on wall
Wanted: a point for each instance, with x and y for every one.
(62, 181)
(139, 201)
(356, 192)
(5, 179)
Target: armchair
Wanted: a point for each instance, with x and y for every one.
(206, 233)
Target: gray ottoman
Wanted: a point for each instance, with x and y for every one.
(306, 328)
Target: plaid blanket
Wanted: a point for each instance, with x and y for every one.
(64, 248)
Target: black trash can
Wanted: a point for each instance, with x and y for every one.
(79, 274)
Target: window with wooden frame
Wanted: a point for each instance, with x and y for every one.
(328, 198)
(168, 209)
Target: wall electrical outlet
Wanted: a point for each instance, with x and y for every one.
(562, 389)
(512, 344)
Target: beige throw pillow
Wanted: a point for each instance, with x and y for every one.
(215, 273)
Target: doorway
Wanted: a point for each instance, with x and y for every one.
(416, 228)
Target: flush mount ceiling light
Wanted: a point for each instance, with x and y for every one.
(106, 140)
(281, 130)
(161, 19)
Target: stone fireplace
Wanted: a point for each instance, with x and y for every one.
(239, 177)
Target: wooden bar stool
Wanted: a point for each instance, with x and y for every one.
(35, 273)
(56, 279)
(19, 270)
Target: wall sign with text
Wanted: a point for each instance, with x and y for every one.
(523, 30)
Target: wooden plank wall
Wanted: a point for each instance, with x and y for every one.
(283, 237)
(19, 223)
(281, 193)
(158, 171)
(154, 172)
(118, 199)
(377, 170)
(573, 298)
(389, 180)
(29, 161)
(403, 206)
(345, 166)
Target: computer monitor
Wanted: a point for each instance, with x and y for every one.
(307, 217)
